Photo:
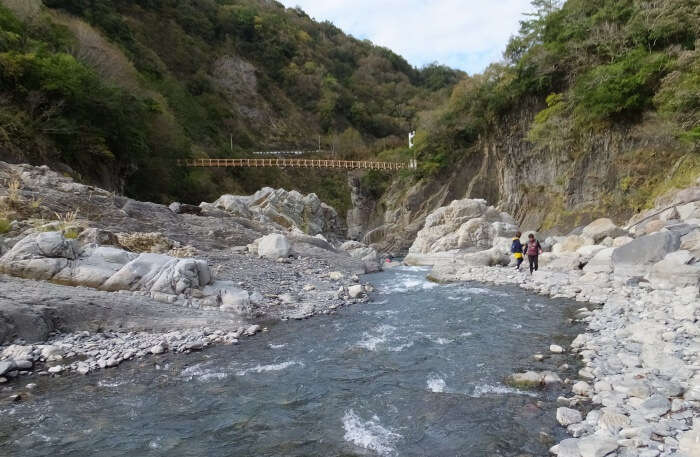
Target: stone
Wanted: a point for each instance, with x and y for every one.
(158, 349)
(637, 257)
(56, 369)
(335, 275)
(528, 379)
(551, 378)
(273, 246)
(657, 405)
(6, 366)
(691, 243)
(234, 299)
(621, 241)
(677, 270)
(567, 416)
(556, 349)
(613, 421)
(601, 262)
(597, 445)
(689, 442)
(571, 244)
(184, 208)
(567, 448)
(355, 290)
(582, 388)
(602, 228)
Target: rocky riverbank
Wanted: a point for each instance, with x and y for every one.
(641, 379)
(92, 279)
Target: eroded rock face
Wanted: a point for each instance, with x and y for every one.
(283, 209)
(469, 225)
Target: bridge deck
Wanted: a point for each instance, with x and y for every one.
(298, 163)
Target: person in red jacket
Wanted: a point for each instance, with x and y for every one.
(533, 249)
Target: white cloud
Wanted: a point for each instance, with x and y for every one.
(466, 34)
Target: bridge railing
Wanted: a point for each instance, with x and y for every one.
(298, 163)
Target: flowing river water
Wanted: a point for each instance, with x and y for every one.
(418, 371)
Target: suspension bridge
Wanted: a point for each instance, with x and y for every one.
(299, 163)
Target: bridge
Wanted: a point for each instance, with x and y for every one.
(300, 163)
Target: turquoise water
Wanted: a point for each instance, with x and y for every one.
(419, 371)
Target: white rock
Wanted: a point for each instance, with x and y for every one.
(355, 290)
(601, 228)
(689, 442)
(555, 348)
(273, 246)
(582, 388)
(335, 275)
(597, 445)
(56, 369)
(567, 416)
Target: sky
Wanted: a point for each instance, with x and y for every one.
(464, 34)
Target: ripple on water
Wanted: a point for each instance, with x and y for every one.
(369, 434)
(436, 384)
(271, 367)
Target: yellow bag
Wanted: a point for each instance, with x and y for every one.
(518, 255)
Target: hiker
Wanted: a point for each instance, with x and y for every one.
(517, 250)
(533, 249)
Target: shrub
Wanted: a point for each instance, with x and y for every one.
(5, 225)
(623, 87)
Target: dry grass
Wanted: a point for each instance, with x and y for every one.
(13, 190)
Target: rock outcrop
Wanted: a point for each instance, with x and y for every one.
(284, 210)
(50, 256)
(467, 228)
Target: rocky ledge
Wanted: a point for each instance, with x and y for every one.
(89, 279)
(641, 352)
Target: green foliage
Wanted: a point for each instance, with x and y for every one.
(375, 183)
(587, 63)
(5, 225)
(623, 87)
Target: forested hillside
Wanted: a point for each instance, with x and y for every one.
(117, 90)
(594, 110)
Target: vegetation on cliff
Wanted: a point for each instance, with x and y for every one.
(587, 67)
(119, 90)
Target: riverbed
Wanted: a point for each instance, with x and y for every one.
(419, 370)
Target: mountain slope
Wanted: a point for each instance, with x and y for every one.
(116, 90)
(595, 111)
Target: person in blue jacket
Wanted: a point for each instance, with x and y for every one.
(517, 250)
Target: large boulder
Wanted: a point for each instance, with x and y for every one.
(635, 259)
(469, 225)
(283, 209)
(273, 246)
(571, 243)
(691, 242)
(602, 228)
(160, 273)
(39, 256)
(678, 269)
(601, 262)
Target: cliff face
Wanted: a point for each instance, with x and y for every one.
(617, 171)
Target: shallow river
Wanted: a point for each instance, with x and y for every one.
(417, 372)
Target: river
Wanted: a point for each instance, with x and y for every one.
(418, 371)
